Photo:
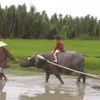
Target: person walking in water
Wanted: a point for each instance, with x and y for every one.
(4, 54)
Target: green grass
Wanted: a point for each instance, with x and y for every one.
(23, 48)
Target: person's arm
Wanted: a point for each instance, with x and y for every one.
(9, 55)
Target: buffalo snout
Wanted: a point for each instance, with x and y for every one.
(22, 64)
(26, 63)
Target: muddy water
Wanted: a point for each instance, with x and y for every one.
(35, 88)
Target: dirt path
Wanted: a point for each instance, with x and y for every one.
(35, 88)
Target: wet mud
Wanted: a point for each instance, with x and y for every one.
(35, 88)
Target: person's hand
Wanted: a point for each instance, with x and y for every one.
(17, 60)
(52, 51)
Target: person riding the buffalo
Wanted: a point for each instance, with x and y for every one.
(59, 47)
(4, 54)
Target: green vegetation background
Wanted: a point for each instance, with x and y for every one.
(22, 48)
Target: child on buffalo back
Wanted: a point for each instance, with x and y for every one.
(59, 47)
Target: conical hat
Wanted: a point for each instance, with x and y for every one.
(2, 44)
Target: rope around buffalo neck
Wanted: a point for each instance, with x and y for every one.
(91, 75)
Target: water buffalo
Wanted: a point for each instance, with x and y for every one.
(73, 60)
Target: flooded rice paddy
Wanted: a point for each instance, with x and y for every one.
(35, 88)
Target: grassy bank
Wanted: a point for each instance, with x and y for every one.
(23, 48)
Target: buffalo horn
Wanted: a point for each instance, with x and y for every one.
(34, 54)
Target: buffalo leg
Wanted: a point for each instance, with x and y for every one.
(79, 78)
(47, 77)
(83, 77)
(59, 77)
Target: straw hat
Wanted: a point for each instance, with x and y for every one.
(2, 44)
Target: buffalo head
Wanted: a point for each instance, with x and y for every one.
(33, 60)
(29, 61)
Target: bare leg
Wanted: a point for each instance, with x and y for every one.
(5, 78)
(1, 76)
(55, 57)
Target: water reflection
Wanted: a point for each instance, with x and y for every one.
(34, 88)
(58, 92)
(2, 94)
(81, 91)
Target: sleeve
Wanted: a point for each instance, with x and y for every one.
(9, 55)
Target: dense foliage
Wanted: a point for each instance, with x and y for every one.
(17, 22)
